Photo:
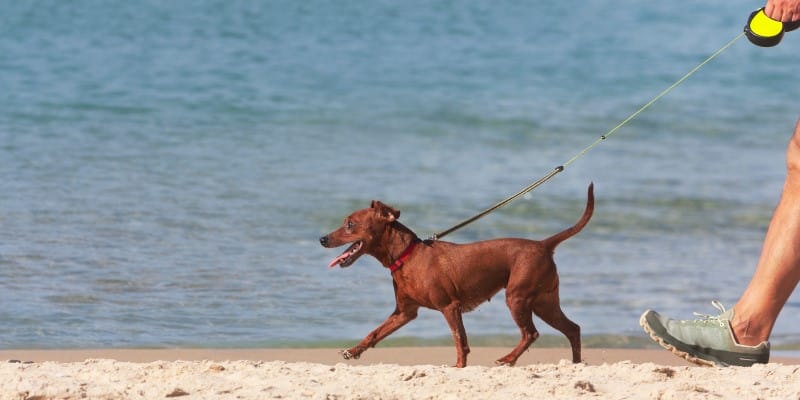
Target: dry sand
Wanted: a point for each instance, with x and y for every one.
(383, 373)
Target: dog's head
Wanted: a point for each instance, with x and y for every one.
(363, 229)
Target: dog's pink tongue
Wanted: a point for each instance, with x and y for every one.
(338, 260)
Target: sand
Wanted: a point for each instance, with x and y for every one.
(383, 373)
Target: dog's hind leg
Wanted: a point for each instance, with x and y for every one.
(523, 315)
(548, 308)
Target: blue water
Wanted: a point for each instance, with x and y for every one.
(167, 167)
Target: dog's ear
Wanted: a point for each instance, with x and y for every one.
(385, 211)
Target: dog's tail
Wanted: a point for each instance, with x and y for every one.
(554, 240)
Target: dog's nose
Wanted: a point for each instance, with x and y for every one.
(323, 241)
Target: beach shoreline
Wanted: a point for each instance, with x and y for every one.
(387, 373)
(408, 356)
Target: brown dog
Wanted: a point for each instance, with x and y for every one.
(456, 278)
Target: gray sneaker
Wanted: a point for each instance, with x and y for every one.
(705, 341)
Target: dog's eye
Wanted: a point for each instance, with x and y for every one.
(350, 225)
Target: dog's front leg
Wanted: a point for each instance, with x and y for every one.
(452, 313)
(395, 321)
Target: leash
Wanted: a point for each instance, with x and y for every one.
(560, 168)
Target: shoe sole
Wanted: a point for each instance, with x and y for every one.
(682, 354)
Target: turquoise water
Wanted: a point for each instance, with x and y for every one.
(167, 167)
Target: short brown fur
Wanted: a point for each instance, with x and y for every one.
(456, 278)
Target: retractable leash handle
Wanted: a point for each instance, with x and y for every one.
(764, 31)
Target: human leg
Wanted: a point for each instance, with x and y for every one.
(740, 336)
(778, 270)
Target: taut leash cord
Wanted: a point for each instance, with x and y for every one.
(583, 152)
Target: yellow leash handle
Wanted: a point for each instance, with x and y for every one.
(764, 31)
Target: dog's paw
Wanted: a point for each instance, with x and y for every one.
(505, 362)
(347, 355)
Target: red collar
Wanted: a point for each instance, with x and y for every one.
(404, 256)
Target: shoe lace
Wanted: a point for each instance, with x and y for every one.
(714, 318)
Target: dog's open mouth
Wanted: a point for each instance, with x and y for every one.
(349, 256)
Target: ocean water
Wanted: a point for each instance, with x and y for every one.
(166, 168)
